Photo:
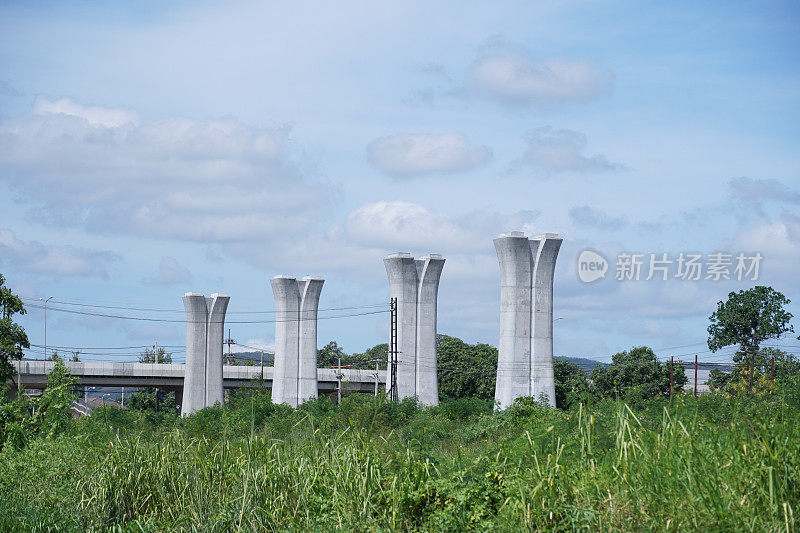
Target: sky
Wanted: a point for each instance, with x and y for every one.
(154, 149)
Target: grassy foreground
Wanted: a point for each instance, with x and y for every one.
(712, 464)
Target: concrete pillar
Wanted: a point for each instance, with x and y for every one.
(194, 381)
(514, 348)
(310, 288)
(545, 251)
(402, 272)
(415, 284)
(217, 305)
(429, 271)
(287, 339)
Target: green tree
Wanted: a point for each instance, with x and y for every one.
(748, 318)
(144, 399)
(47, 415)
(636, 375)
(158, 356)
(465, 370)
(572, 383)
(12, 337)
(54, 407)
(329, 355)
(760, 367)
(379, 352)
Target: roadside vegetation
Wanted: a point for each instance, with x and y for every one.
(619, 453)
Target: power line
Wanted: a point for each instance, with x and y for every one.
(166, 320)
(156, 310)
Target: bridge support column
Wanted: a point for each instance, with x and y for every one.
(525, 350)
(205, 323)
(543, 382)
(217, 306)
(310, 288)
(415, 285)
(296, 304)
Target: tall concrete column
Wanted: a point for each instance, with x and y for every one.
(287, 340)
(415, 285)
(217, 305)
(514, 349)
(194, 381)
(402, 272)
(545, 251)
(310, 288)
(429, 271)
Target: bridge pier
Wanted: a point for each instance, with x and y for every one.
(415, 285)
(525, 349)
(296, 306)
(205, 324)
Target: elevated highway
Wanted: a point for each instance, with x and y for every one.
(33, 375)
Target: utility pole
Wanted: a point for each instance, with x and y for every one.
(123, 397)
(376, 378)
(695, 375)
(45, 326)
(229, 342)
(772, 369)
(262, 365)
(339, 382)
(155, 360)
(392, 355)
(671, 370)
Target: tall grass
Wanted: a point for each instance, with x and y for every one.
(713, 464)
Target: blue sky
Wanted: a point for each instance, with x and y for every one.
(152, 150)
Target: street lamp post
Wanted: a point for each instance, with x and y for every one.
(45, 325)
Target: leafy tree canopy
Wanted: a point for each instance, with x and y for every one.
(636, 375)
(572, 383)
(144, 399)
(748, 318)
(465, 370)
(158, 356)
(12, 337)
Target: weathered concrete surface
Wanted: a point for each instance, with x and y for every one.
(287, 339)
(514, 347)
(546, 249)
(402, 273)
(525, 358)
(310, 288)
(429, 272)
(217, 306)
(415, 285)
(296, 306)
(205, 326)
(194, 387)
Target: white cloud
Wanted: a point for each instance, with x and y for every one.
(33, 256)
(252, 345)
(215, 180)
(553, 151)
(778, 242)
(98, 116)
(405, 226)
(518, 79)
(170, 272)
(595, 218)
(407, 155)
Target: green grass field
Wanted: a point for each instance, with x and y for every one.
(711, 464)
